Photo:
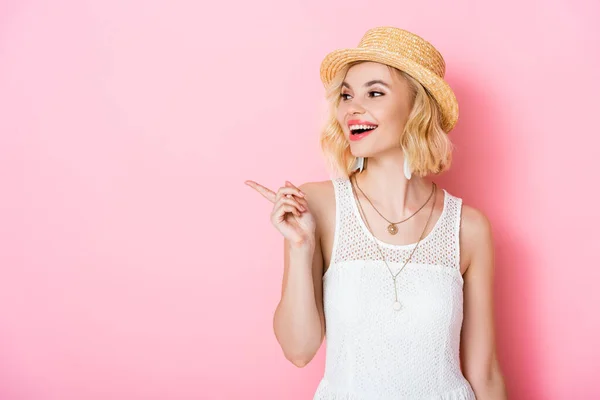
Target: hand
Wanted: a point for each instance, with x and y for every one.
(290, 214)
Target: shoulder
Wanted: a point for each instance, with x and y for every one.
(474, 222)
(318, 188)
(319, 194)
(320, 197)
(475, 233)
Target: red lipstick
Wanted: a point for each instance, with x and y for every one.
(360, 122)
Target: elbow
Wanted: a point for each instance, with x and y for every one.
(299, 350)
(489, 387)
(300, 360)
(301, 356)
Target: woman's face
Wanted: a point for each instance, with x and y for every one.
(372, 96)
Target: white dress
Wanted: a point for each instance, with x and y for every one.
(374, 352)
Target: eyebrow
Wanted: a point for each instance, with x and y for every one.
(370, 83)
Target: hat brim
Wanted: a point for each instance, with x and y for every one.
(438, 87)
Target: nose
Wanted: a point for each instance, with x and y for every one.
(355, 108)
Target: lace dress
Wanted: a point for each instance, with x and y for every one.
(374, 351)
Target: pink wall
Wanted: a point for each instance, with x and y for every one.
(135, 264)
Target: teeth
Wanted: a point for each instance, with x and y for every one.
(355, 127)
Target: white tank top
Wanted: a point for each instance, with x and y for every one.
(372, 350)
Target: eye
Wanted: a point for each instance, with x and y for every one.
(372, 93)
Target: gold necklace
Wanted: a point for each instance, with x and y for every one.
(392, 228)
(397, 306)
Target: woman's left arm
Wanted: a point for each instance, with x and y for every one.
(478, 349)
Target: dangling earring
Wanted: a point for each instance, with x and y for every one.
(359, 164)
(407, 171)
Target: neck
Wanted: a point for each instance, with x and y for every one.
(384, 183)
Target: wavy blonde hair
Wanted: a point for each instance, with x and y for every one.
(427, 146)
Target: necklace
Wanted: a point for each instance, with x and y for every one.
(397, 306)
(392, 228)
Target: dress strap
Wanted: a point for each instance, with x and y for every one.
(456, 216)
(340, 192)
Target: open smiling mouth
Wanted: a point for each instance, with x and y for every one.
(362, 129)
(359, 131)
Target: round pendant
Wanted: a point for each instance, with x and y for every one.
(392, 229)
(397, 305)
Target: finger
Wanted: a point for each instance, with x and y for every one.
(288, 191)
(266, 192)
(290, 184)
(298, 200)
(294, 202)
(279, 212)
(292, 209)
(302, 201)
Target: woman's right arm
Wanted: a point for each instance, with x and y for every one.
(299, 322)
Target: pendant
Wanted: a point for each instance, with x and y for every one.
(397, 305)
(392, 229)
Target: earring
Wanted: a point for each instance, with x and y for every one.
(359, 164)
(407, 171)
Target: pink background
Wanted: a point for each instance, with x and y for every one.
(135, 264)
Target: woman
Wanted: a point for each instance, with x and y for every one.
(396, 271)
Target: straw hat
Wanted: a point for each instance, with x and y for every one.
(405, 51)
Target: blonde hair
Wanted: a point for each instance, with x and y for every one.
(427, 146)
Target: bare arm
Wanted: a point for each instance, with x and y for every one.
(299, 322)
(478, 348)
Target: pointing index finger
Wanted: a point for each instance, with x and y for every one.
(266, 192)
